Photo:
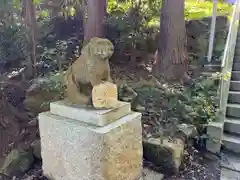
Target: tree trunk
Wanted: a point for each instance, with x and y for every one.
(96, 11)
(172, 53)
(29, 13)
(212, 31)
(80, 17)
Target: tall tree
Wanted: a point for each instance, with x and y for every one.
(212, 31)
(172, 53)
(96, 12)
(29, 13)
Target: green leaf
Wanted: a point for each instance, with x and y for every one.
(37, 2)
(226, 76)
(44, 14)
(16, 4)
(71, 11)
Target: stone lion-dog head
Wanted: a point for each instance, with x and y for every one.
(98, 47)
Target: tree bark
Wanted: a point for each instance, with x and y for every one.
(31, 23)
(96, 12)
(172, 53)
(212, 31)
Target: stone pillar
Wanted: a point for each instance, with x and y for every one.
(88, 144)
(215, 135)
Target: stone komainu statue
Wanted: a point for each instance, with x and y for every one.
(90, 69)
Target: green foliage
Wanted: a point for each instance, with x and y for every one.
(202, 45)
(198, 104)
(54, 83)
(137, 22)
(168, 106)
(13, 44)
(132, 23)
(198, 10)
(193, 9)
(56, 55)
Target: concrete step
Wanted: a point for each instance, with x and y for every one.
(237, 46)
(236, 75)
(232, 125)
(236, 65)
(234, 97)
(236, 56)
(237, 51)
(207, 74)
(230, 166)
(212, 67)
(235, 86)
(233, 110)
(231, 142)
(227, 174)
(230, 160)
(238, 42)
(238, 38)
(214, 62)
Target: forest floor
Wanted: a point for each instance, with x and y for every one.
(196, 166)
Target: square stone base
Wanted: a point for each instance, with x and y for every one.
(92, 116)
(74, 150)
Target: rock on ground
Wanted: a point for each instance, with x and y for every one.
(149, 174)
(17, 162)
(36, 146)
(164, 153)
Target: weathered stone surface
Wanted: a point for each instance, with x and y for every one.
(227, 174)
(105, 95)
(36, 146)
(231, 142)
(74, 150)
(198, 38)
(213, 146)
(149, 174)
(187, 130)
(88, 115)
(230, 160)
(215, 134)
(232, 125)
(88, 70)
(164, 153)
(17, 162)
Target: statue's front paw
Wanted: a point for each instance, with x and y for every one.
(89, 103)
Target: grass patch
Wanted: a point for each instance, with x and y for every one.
(198, 10)
(193, 10)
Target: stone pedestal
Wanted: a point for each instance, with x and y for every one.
(85, 144)
(215, 134)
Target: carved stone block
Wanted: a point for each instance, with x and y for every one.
(75, 150)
